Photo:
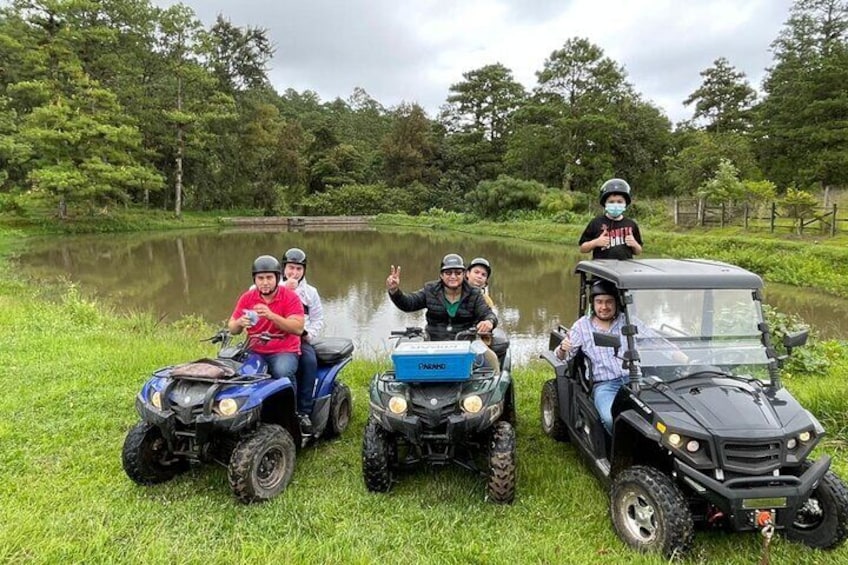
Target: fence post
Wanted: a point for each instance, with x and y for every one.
(676, 212)
(702, 211)
(773, 214)
(833, 223)
(745, 213)
(721, 222)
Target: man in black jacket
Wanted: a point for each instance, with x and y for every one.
(452, 304)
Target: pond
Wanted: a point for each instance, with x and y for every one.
(203, 272)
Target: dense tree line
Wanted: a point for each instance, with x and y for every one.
(106, 102)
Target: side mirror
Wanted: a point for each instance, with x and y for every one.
(607, 340)
(796, 339)
(556, 337)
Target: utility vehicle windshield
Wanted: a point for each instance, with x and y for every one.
(716, 327)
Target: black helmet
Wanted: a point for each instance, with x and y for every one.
(601, 286)
(267, 264)
(481, 262)
(452, 261)
(295, 255)
(615, 186)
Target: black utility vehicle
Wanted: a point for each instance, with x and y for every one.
(439, 405)
(715, 440)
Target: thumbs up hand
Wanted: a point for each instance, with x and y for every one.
(603, 240)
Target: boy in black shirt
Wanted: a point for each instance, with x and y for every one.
(612, 236)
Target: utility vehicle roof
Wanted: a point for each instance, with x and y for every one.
(670, 273)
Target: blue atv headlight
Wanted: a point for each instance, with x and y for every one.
(156, 399)
(229, 406)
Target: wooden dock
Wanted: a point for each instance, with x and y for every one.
(301, 222)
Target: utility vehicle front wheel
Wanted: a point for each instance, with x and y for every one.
(552, 424)
(262, 464)
(501, 485)
(377, 450)
(822, 521)
(146, 458)
(341, 407)
(649, 512)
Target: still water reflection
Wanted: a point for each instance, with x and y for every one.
(203, 272)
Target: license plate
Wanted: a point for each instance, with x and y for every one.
(760, 503)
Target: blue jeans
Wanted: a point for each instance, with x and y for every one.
(603, 393)
(307, 371)
(281, 365)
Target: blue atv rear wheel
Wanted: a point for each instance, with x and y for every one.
(262, 464)
(145, 456)
(340, 410)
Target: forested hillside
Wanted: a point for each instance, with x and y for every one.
(108, 103)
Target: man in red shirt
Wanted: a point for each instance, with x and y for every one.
(274, 309)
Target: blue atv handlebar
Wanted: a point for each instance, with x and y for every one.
(224, 336)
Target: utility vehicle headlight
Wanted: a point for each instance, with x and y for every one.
(804, 437)
(472, 404)
(692, 446)
(675, 440)
(397, 405)
(791, 443)
(156, 399)
(228, 407)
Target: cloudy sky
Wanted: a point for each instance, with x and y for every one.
(413, 50)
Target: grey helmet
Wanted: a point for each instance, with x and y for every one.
(267, 264)
(452, 261)
(295, 255)
(615, 186)
(482, 262)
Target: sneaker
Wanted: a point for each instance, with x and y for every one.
(305, 424)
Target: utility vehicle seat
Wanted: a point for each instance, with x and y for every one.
(580, 367)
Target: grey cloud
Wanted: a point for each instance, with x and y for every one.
(667, 68)
(333, 46)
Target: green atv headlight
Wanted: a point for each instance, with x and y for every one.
(472, 404)
(397, 405)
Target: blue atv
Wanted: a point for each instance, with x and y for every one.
(441, 404)
(229, 410)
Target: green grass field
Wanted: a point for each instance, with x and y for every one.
(71, 372)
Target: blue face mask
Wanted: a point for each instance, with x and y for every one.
(615, 209)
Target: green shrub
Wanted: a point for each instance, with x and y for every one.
(649, 212)
(496, 198)
(811, 359)
(357, 200)
(798, 203)
(555, 202)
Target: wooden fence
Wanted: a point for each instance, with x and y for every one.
(774, 217)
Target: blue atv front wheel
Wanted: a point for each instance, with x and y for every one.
(146, 458)
(262, 464)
